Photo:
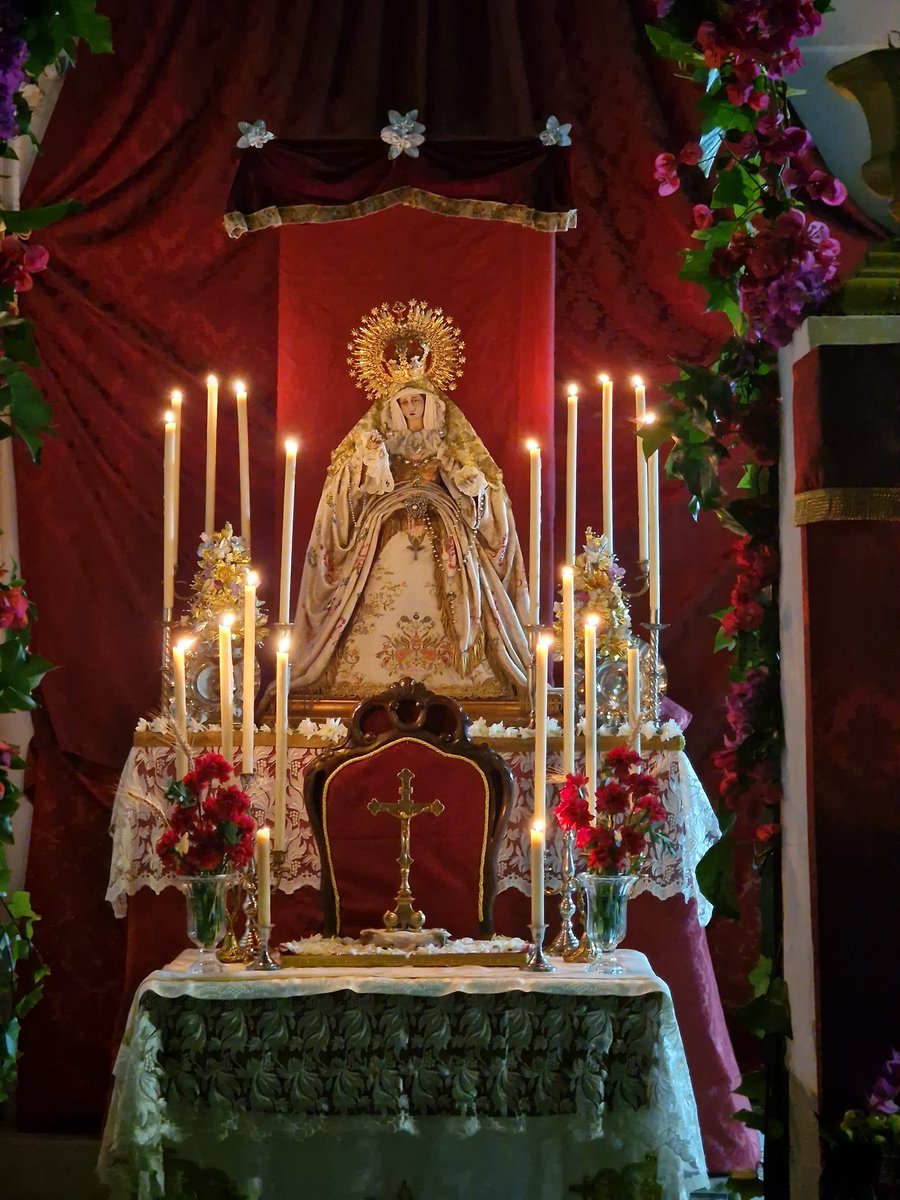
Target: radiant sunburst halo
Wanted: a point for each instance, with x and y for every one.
(404, 344)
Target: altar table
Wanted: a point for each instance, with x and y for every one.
(349, 1083)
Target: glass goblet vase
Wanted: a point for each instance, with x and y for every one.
(606, 916)
(206, 917)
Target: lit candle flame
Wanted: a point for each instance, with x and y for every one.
(184, 644)
(253, 578)
(532, 446)
(637, 381)
(545, 640)
(538, 827)
(240, 388)
(284, 645)
(170, 418)
(176, 396)
(567, 574)
(604, 378)
(593, 620)
(572, 391)
(211, 381)
(649, 418)
(291, 445)
(227, 619)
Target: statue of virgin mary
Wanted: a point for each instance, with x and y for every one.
(414, 566)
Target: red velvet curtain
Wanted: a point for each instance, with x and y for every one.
(145, 292)
(495, 280)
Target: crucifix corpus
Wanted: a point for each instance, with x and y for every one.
(405, 915)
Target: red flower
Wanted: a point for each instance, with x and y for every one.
(644, 784)
(572, 811)
(613, 797)
(621, 759)
(13, 608)
(226, 804)
(765, 833)
(703, 216)
(209, 768)
(634, 841)
(654, 809)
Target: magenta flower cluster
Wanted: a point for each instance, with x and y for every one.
(784, 268)
(13, 56)
(759, 31)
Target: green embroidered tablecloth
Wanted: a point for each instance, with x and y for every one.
(474, 1082)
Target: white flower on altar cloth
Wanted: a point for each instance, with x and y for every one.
(253, 134)
(403, 133)
(334, 730)
(498, 729)
(553, 727)
(307, 728)
(554, 134)
(479, 727)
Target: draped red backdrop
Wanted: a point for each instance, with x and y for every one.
(145, 292)
(495, 280)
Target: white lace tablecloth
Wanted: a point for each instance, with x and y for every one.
(459, 1083)
(135, 825)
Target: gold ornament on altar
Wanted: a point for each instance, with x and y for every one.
(218, 585)
(403, 344)
(598, 593)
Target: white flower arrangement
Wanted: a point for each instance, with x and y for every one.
(403, 133)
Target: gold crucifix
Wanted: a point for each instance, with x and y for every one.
(405, 915)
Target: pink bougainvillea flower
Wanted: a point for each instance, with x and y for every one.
(665, 171)
(703, 216)
(690, 154)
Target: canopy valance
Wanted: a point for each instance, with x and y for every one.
(315, 182)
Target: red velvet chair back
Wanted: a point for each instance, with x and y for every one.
(453, 877)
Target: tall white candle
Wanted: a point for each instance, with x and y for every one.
(634, 696)
(282, 687)
(590, 710)
(212, 422)
(640, 419)
(263, 876)
(177, 405)
(607, 405)
(179, 650)
(540, 728)
(568, 627)
(240, 395)
(571, 473)
(537, 873)
(653, 523)
(287, 531)
(170, 502)
(534, 540)
(226, 686)
(248, 728)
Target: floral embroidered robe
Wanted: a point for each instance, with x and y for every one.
(414, 565)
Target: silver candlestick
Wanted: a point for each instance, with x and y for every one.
(566, 939)
(264, 960)
(536, 960)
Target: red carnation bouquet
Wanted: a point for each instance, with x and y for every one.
(209, 828)
(630, 815)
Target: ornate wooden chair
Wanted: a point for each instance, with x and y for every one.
(454, 879)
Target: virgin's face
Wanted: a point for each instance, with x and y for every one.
(413, 409)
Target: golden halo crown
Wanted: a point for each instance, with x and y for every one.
(399, 345)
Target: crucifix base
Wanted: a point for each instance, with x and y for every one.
(404, 939)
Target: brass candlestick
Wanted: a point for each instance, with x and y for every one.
(405, 915)
(231, 950)
(249, 942)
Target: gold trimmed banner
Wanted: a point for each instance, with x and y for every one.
(847, 504)
(237, 223)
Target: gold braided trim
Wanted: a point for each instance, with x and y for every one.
(847, 504)
(373, 754)
(237, 223)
